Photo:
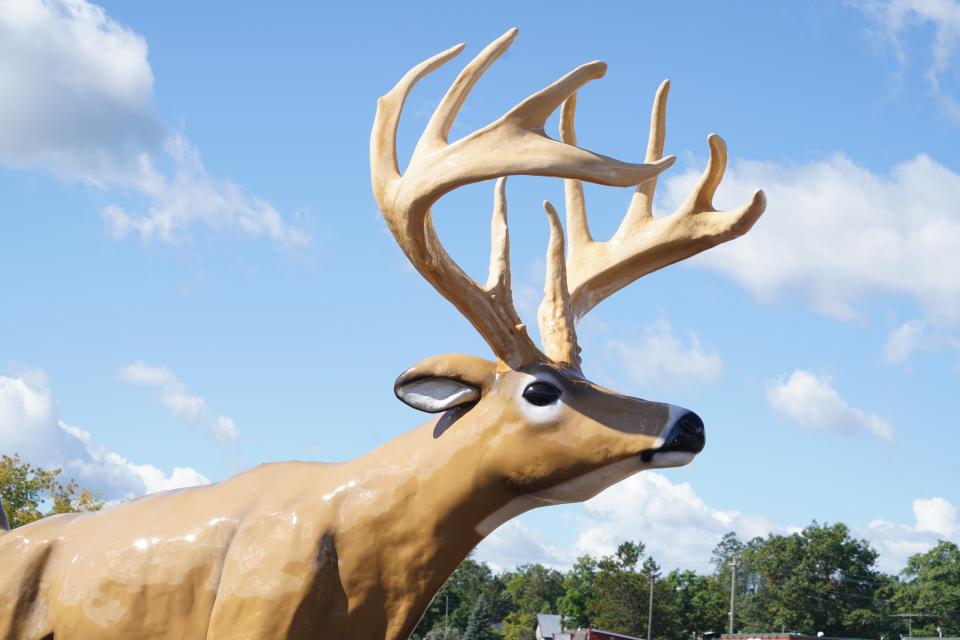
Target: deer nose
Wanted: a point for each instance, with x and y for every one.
(687, 434)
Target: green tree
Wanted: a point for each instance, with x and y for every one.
(695, 604)
(478, 626)
(820, 579)
(534, 589)
(26, 489)
(727, 554)
(578, 589)
(728, 549)
(463, 588)
(664, 602)
(440, 632)
(620, 592)
(931, 585)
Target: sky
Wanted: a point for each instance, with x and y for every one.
(194, 277)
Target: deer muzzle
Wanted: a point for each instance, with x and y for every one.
(685, 435)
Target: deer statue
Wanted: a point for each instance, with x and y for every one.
(358, 549)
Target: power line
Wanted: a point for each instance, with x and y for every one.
(910, 617)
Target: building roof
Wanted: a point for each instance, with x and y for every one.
(549, 624)
(550, 627)
(782, 636)
(616, 635)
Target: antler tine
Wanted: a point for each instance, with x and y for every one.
(438, 129)
(643, 244)
(384, 168)
(489, 308)
(641, 206)
(577, 225)
(532, 152)
(725, 225)
(557, 329)
(498, 273)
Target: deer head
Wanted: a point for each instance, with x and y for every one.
(544, 428)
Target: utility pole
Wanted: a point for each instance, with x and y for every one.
(910, 617)
(650, 612)
(446, 618)
(733, 591)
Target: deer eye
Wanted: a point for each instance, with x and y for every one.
(541, 393)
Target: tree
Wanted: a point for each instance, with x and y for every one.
(25, 489)
(820, 579)
(932, 586)
(578, 589)
(466, 584)
(478, 626)
(534, 589)
(727, 553)
(695, 604)
(442, 633)
(620, 592)
(650, 575)
(729, 548)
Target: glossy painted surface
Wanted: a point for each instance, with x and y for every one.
(358, 549)
(311, 550)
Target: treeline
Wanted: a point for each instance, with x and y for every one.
(818, 580)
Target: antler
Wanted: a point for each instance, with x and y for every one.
(513, 144)
(643, 244)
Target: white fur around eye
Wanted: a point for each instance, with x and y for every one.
(434, 395)
(547, 414)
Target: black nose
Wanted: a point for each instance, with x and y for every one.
(687, 434)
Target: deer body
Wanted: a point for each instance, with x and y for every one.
(297, 549)
(358, 549)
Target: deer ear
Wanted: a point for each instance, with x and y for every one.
(434, 395)
(441, 383)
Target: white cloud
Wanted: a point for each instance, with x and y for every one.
(514, 544)
(660, 359)
(190, 196)
(186, 407)
(937, 516)
(77, 92)
(913, 336)
(78, 101)
(903, 341)
(684, 530)
(895, 18)
(813, 403)
(679, 529)
(835, 233)
(935, 519)
(31, 427)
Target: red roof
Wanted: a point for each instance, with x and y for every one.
(598, 634)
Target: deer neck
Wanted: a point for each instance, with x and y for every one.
(439, 499)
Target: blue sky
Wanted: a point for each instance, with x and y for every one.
(194, 277)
